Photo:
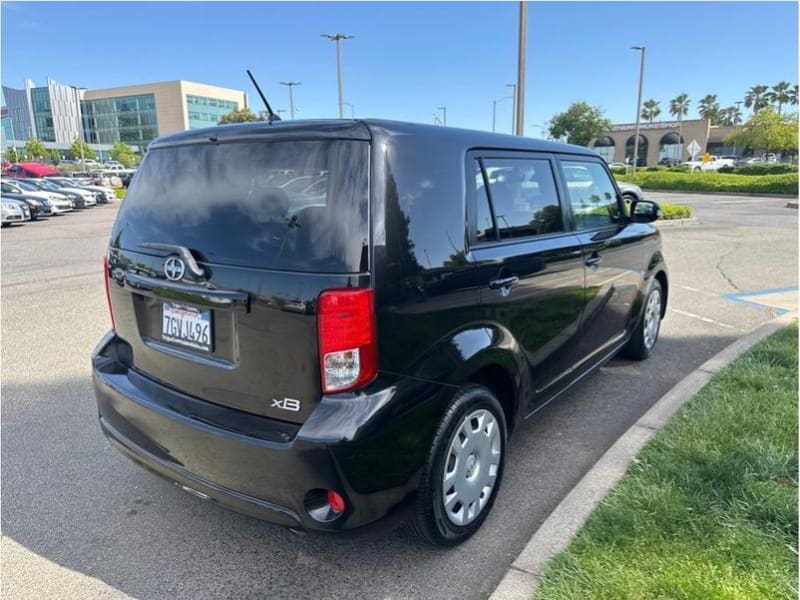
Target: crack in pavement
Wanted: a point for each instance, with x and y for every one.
(722, 272)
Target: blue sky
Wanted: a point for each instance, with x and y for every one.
(408, 59)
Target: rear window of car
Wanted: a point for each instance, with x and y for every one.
(285, 205)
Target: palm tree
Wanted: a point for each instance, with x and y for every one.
(730, 116)
(756, 97)
(708, 107)
(679, 107)
(780, 94)
(650, 110)
(793, 95)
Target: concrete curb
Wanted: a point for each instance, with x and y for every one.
(555, 534)
(676, 222)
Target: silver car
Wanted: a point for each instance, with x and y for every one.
(14, 211)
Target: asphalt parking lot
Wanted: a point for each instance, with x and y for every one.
(79, 520)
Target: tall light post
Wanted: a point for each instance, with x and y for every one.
(641, 49)
(338, 37)
(444, 114)
(513, 87)
(80, 125)
(519, 125)
(494, 112)
(352, 110)
(290, 85)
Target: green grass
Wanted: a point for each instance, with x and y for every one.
(675, 211)
(120, 192)
(708, 181)
(709, 507)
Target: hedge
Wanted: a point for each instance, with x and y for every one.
(760, 169)
(709, 181)
(675, 211)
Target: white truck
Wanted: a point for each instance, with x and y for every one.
(713, 164)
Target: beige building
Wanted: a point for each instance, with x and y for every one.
(137, 114)
(664, 139)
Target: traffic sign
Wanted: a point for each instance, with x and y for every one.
(693, 148)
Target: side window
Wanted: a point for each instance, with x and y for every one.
(592, 195)
(523, 195)
(485, 224)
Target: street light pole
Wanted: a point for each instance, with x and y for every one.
(641, 49)
(338, 37)
(513, 87)
(290, 85)
(520, 89)
(80, 126)
(444, 114)
(494, 111)
(352, 110)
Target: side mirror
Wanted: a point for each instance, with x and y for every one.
(644, 211)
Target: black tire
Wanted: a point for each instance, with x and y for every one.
(430, 521)
(637, 348)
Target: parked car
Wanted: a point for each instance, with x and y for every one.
(29, 169)
(38, 207)
(75, 199)
(669, 162)
(59, 203)
(89, 197)
(714, 164)
(103, 194)
(14, 211)
(617, 165)
(324, 362)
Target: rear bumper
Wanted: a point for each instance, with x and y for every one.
(263, 467)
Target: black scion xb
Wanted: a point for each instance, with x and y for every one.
(328, 324)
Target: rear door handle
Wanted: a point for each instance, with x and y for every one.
(504, 283)
(594, 260)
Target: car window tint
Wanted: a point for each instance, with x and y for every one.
(523, 195)
(592, 195)
(485, 225)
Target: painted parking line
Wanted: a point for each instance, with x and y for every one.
(779, 300)
(701, 318)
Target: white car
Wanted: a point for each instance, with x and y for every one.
(88, 196)
(16, 186)
(14, 211)
(106, 192)
(698, 164)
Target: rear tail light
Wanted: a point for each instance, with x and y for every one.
(108, 294)
(347, 340)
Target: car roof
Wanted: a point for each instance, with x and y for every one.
(365, 129)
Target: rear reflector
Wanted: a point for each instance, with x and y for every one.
(108, 294)
(347, 341)
(335, 501)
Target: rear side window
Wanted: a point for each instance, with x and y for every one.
(286, 205)
(523, 198)
(592, 195)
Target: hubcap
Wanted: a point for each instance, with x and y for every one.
(652, 319)
(471, 466)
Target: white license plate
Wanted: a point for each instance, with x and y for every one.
(187, 326)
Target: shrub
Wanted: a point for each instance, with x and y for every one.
(675, 211)
(618, 170)
(120, 192)
(709, 181)
(651, 169)
(679, 169)
(726, 169)
(765, 169)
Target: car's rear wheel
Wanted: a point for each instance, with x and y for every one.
(463, 473)
(645, 335)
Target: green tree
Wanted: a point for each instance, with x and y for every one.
(756, 98)
(124, 154)
(780, 94)
(75, 150)
(650, 110)
(579, 124)
(679, 106)
(767, 130)
(11, 155)
(55, 155)
(708, 107)
(240, 115)
(729, 116)
(793, 95)
(35, 149)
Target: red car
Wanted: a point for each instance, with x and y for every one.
(30, 169)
